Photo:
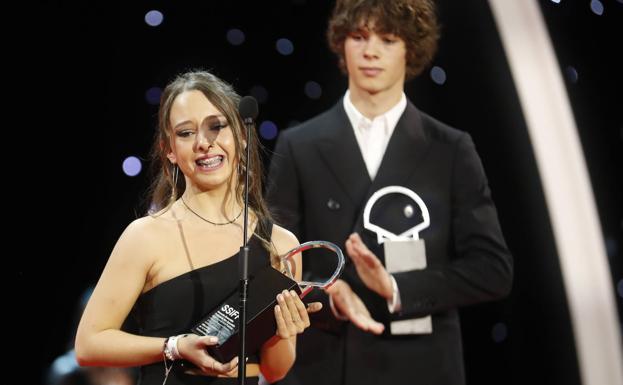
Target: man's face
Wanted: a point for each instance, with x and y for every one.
(376, 62)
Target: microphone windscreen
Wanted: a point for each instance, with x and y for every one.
(248, 107)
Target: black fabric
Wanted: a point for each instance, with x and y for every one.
(154, 374)
(176, 305)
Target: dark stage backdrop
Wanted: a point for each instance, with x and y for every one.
(90, 70)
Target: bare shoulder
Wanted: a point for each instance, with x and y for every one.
(143, 237)
(284, 240)
(142, 229)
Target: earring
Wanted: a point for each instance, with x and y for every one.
(174, 188)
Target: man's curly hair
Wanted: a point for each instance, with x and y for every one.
(414, 21)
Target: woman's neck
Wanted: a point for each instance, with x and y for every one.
(213, 205)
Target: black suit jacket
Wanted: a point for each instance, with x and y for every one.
(318, 187)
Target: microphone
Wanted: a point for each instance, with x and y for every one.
(248, 109)
(248, 112)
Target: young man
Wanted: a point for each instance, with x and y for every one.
(327, 168)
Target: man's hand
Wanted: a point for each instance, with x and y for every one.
(369, 267)
(349, 305)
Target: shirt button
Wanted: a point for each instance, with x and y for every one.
(332, 204)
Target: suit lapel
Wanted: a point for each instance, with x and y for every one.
(404, 152)
(340, 151)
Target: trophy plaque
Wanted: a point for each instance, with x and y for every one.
(222, 322)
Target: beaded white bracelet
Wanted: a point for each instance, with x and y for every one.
(170, 348)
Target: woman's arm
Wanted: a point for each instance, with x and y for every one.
(99, 340)
(278, 353)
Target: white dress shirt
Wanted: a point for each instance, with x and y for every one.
(373, 135)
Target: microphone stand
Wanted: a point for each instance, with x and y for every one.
(243, 265)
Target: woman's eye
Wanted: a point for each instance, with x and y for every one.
(184, 133)
(218, 126)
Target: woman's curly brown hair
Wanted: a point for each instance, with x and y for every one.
(414, 21)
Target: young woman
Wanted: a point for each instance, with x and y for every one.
(170, 268)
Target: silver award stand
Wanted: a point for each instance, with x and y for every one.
(403, 252)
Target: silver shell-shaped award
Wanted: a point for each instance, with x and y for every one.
(222, 322)
(403, 252)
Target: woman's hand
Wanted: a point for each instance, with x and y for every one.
(193, 348)
(291, 314)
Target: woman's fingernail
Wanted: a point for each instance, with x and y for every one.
(213, 339)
